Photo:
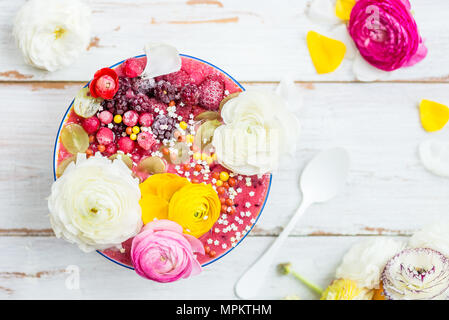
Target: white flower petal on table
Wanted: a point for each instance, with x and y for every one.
(363, 71)
(434, 155)
(161, 59)
(323, 11)
(434, 236)
(291, 93)
(365, 261)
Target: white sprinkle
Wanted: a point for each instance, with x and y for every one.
(217, 230)
(224, 245)
(209, 241)
(247, 204)
(251, 194)
(216, 242)
(248, 213)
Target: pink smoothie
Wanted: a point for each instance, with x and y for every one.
(242, 197)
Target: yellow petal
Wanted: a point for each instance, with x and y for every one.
(343, 9)
(156, 192)
(167, 188)
(153, 207)
(153, 183)
(434, 116)
(326, 53)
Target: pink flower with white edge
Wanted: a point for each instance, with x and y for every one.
(161, 252)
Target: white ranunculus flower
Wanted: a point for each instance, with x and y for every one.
(52, 33)
(365, 261)
(258, 129)
(95, 203)
(434, 236)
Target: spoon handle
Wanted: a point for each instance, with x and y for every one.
(252, 280)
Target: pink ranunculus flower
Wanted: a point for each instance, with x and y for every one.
(386, 33)
(161, 252)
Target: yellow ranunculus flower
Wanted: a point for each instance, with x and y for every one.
(196, 207)
(345, 289)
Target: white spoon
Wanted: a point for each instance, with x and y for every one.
(320, 181)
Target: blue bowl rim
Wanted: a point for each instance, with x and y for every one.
(213, 66)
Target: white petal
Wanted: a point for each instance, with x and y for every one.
(291, 93)
(341, 33)
(323, 11)
(365, 261)
(434, 236)
(161, 59)
(363, 71)
(434, 156)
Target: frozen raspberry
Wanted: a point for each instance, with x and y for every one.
(178, 79)
(91, 124)
(130, 118)
(146, 140)
(190, 95)
(105, 136)
(165, 91)
(111, 149)
(211, 92)
(105, 117)
(125, 144)
(156, 106)
(132, 68)
(146, 119)
(186, 111)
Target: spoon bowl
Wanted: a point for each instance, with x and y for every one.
(325, 175)
(321, 180)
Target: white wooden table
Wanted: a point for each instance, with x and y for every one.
(388, 194)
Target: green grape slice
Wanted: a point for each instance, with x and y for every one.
(74, 138)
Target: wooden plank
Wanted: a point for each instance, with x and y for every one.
(253, 40)
(36, 269)
(388, 192)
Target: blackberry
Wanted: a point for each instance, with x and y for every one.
(163, 127)
(165, 91)
(118, 129)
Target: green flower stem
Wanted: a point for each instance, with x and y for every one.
(309, 284)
